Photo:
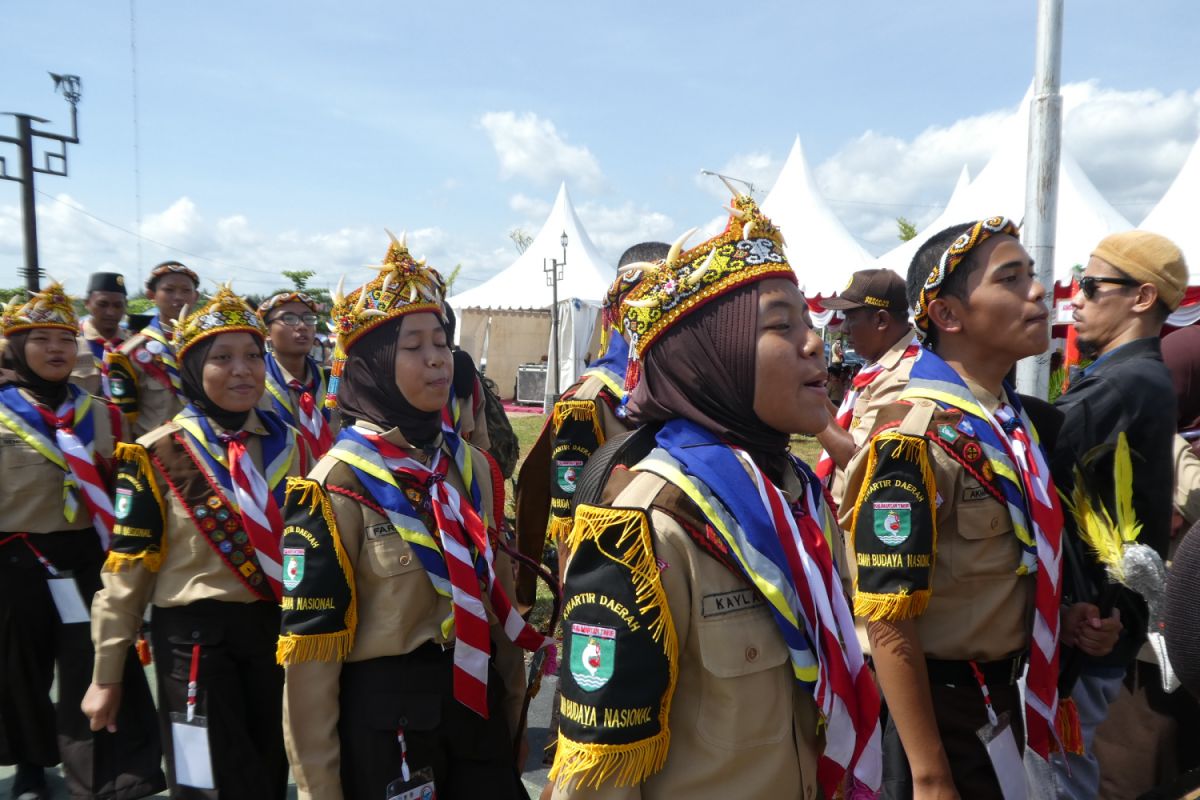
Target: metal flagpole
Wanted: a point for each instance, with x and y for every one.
(1041, 177)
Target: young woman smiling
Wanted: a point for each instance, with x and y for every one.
(197, 537)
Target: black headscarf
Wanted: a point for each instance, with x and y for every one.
(191, 373)
(368, 390)
(51, 394)
(702, 369)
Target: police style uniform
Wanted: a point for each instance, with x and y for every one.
(366, 652)
(144, 396)
(948, 560)
(179, 548)
(89, 358)
(739, 724)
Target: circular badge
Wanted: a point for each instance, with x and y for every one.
(213, 502)
(216, 533)
(156, 347)
(231, 525)
(972, 451)
(142, 357)
(208, 524)
(223, 515)
(200, 511)
(256, 579)
(226, 546)
(236, 556)
(240, 537)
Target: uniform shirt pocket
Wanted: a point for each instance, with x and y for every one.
(985, 545)
(14, 453)
(388, 553)
(743, 655)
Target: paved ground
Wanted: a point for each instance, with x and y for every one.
(535, 774)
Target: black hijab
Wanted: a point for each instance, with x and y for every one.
(368, 390)
(702, 369)
(51, 394)
(191, 373)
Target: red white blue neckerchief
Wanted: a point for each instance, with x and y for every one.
(162, 356)
(457, 556)
(784, 552)
(307, 412)
(256, 495)
(610, 368)
(67, 438)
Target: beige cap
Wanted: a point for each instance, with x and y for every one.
(1149, 258)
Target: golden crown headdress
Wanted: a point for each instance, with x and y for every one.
(749, 249)
(49, 308)
(225, 312)
(404, 285)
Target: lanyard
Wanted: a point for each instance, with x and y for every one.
(987, 697)
(45, 562)
(405, 773)
(193, 673)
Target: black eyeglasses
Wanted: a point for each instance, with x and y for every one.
(1089, 283)
(292, 320)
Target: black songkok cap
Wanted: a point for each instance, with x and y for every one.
(106, 282)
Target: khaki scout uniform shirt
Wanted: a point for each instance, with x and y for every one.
(741, 727)
(980, 608)
(32, 485)
(190, 570)
(266, 402)
(882, 391)
(1187, 481)
(157, 403)
(87, 372)
(398, 611)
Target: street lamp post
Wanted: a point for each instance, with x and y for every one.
(554, 272)
(55, 164)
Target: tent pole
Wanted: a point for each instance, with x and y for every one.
(1041, 177)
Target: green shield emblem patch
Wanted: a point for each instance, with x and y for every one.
(567, 472)
(124, 503)
(293, 567)
(893, 522)
(593, 653)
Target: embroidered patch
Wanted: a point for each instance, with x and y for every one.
(593, 654)
(893, 522)
(971, 493)
(293, 567)
(972, 451)
(566, 473)
(947, 432)
(143, 356)
(988, 472)
(117, 387)
(721, 603)
(966, 427)
(124, 504)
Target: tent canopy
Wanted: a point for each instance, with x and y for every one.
(522, 284)
(1175, 215)
(823, 253)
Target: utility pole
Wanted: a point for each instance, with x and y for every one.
(55, 163)
(554, 273)
(1041, 177)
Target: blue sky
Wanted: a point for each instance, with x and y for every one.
(279, 135)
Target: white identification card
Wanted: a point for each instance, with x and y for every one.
(193, 762)
(67, 599)
(418, 787)
(1006, 760)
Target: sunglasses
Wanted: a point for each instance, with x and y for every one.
(1088, 284)
(292, 320)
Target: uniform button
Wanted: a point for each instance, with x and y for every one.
(403, 722)
(405, 560)
(195, 634)
(751, 653)
(995, 523)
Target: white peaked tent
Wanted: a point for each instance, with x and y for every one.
(1084, 217)
(497, 313)
(823, 253)
(960, 186)
(1175, 215)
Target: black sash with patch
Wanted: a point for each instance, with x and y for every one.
(577, 436)
(620, 653)
(319, 611)
(139, 511)
(123, 384)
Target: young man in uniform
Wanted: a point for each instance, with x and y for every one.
(101, 332)
(956, 526)
(143, 374)
(295, 382)
(876, 312)
(1132, 282)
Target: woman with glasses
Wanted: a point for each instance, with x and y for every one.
(295, 382)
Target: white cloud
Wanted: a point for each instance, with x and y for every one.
(758, 169)
(531, 147)
(531, 207)
(614, 229)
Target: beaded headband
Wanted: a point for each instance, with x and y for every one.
(171, 268)
(749, 249)
(274, 301)
(50, 308)
(404, 285)
(955, 254)
(225, 312)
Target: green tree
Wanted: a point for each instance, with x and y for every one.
(7, 295)
(299, 278)
(452, 277)
(908, 229)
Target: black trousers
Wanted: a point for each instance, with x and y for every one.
(240, 693)
(33, 640)
(960, 712)
(471, 757)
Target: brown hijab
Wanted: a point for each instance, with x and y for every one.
(368, 390)
(1181, 352)
(51, 394)
(702, 369)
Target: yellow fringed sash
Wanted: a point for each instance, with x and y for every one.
(152, 557)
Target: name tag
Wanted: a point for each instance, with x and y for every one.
(972, 493)
(380, 530)
(715, 605)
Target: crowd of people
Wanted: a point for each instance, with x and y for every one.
(959, 598)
